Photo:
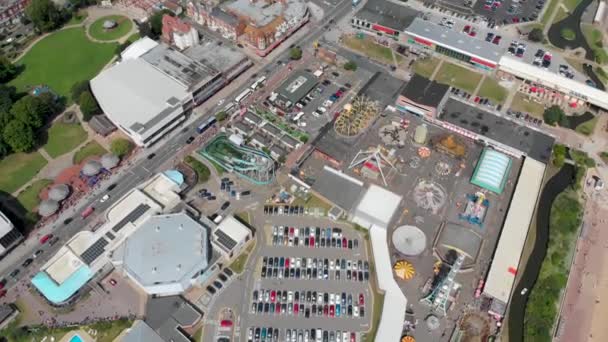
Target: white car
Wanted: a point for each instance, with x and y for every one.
(322, 109)
(356, 311)
(104, 198)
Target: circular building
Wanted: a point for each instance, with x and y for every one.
(59, 192)
(48, 207)
(409, 240)
(91, 168)
(109, 161)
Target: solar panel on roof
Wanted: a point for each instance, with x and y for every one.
(94, 251)
(132, 216)
(225, 240)
(110, 235)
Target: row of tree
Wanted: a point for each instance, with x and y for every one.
(47, 16)
(21, 118)
(82, 95)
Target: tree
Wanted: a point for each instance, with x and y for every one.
(559, 155)
(31, 111)
(7, 95)
(19, 136)
(121, 147)
(295, 53)
(78, 88)
(44, 14)
(350, 65)
(156, 22)
(221, 116)
(88, 105)
(536, 35)
(282, 159)
(145, 30)
(7, 70)
(554, 115)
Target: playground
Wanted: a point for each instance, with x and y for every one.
(248, 163)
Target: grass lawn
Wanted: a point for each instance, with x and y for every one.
(63, 138)
(124, 25)
(588, 127)
(92, 148)
(594, 39)
(135, 36)
(571, 4)
(425, 67)
(521, 103)
(492, 90)
(561, 14)
(458, 77)
(62, 59)
(218, 168)
(78, 17)
(371, 49)
(549, 11)
(245, 216)
(313, 202)
(238, 265)
(198, 336)
(18, 168)
(29, 198)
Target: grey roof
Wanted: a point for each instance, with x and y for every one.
(48, 207)
(185, 70)
(338, 188)
(533, 143)
(272, 129)
(59, 192)
(166, 249)
(278, 150)
(253, 118)
(141, 332)
(463, 239)
(226, 17)
(222, 57)
(102, 125)
(289, 141)
(91, 168)
(297, 86)
(382, 88)
(262, 13)
(424, 91)
(257, 137)
(5, 311)
(109, 161)
(243, 127)
(387, 14)
(455, 40)
(165, 314)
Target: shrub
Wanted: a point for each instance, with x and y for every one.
(536, 35)
(121, 147)
(221, 116)
(201, 170)
(350, 65)
(295, 53)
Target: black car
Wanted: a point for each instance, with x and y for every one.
(347, 85)
(222, 277)
(189, 140)
(326, 82)
(335, 74)
(217, 285)
(27, 262)
(246, 193)
(14, 273)
(225, 205)
(151, 155)
(53, 241)
(210, 289)
(68, 221)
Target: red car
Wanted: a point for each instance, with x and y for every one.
(226, 323)
(467, 29)
(45, 238)
(273, 296)
(496, 40)
(339, 93)
(296, 309)
(332, 311)
(291, 231)
(353, 337)
(2, 293)
(278, 308)
(113, 282)
(476, 99)
(286, 262)
(361, 299)
(312, 242)
(344, 243)
(473, 33)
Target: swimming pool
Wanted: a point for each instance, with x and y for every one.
(76, 338)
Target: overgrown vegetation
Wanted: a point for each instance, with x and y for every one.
(221, 116)
(559, 155)
(121, 147)
(587, 127)
(201, 170)
(554, 115)
(295, 53)
(350, 65)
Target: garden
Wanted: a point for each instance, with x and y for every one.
(110, 28)
(458, 77)
(371, 49)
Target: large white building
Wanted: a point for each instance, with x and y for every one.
(9, 235)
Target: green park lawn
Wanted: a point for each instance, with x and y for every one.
(124, 26)
(29, 198)
(458, 77)
(425, 67)
(18, 168)
(492, 90)
(78, 18)
(92, 148)
(521, 103)
(63, 138)
(594, 38)
(371, 49)
(62, 59)
(549, 11)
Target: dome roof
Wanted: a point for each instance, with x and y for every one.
(48, 207)
(409, 240)
(91, 168)
(109, 161)
(404, 270)
(408, 339)
(59, 192)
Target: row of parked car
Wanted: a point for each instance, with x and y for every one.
(270, 334)
(313, 237)
(313, 268)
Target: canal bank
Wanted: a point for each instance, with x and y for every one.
(554, 186)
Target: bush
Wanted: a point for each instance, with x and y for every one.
(88, 105)
(568, 34)
(295, 53)
(304, 139)
(221, 116)
(121, 147)
(554, 115)
(559, 155)
(581, 158)
(201, 170)
(350, 65)
(78, 88)
(536, 35)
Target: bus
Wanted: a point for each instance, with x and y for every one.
(205, 125)
(260, 82)
(243, 96)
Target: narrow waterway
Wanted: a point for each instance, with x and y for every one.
(558, 183)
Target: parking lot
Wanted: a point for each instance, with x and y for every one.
(503, 12)
(297, 288)
(270, 334)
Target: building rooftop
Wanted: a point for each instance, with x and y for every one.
(260, 139)
(222, 57)
(290, 141)
(59, 293)
(272, 129)
(340, 189)
(424, 91)
(230, 232)
(456, 40)
(261, 13)
(533, 143)
(377, 207)
(141, 332)
(166, 314)
(492, 171)
(387, 14)
(165, 249)
(252, 117)
(5, 224)
(297, 86)
(138, 48)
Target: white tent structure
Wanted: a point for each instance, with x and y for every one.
(374, 156)
(409, 240)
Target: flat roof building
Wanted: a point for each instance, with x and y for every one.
(10, 236)
(295, 88)
(230, 236)
(421, 96)
(492, 171)
(384, 18)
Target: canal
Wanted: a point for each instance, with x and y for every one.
(557, 184)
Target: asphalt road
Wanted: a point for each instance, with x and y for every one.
(143, 168)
